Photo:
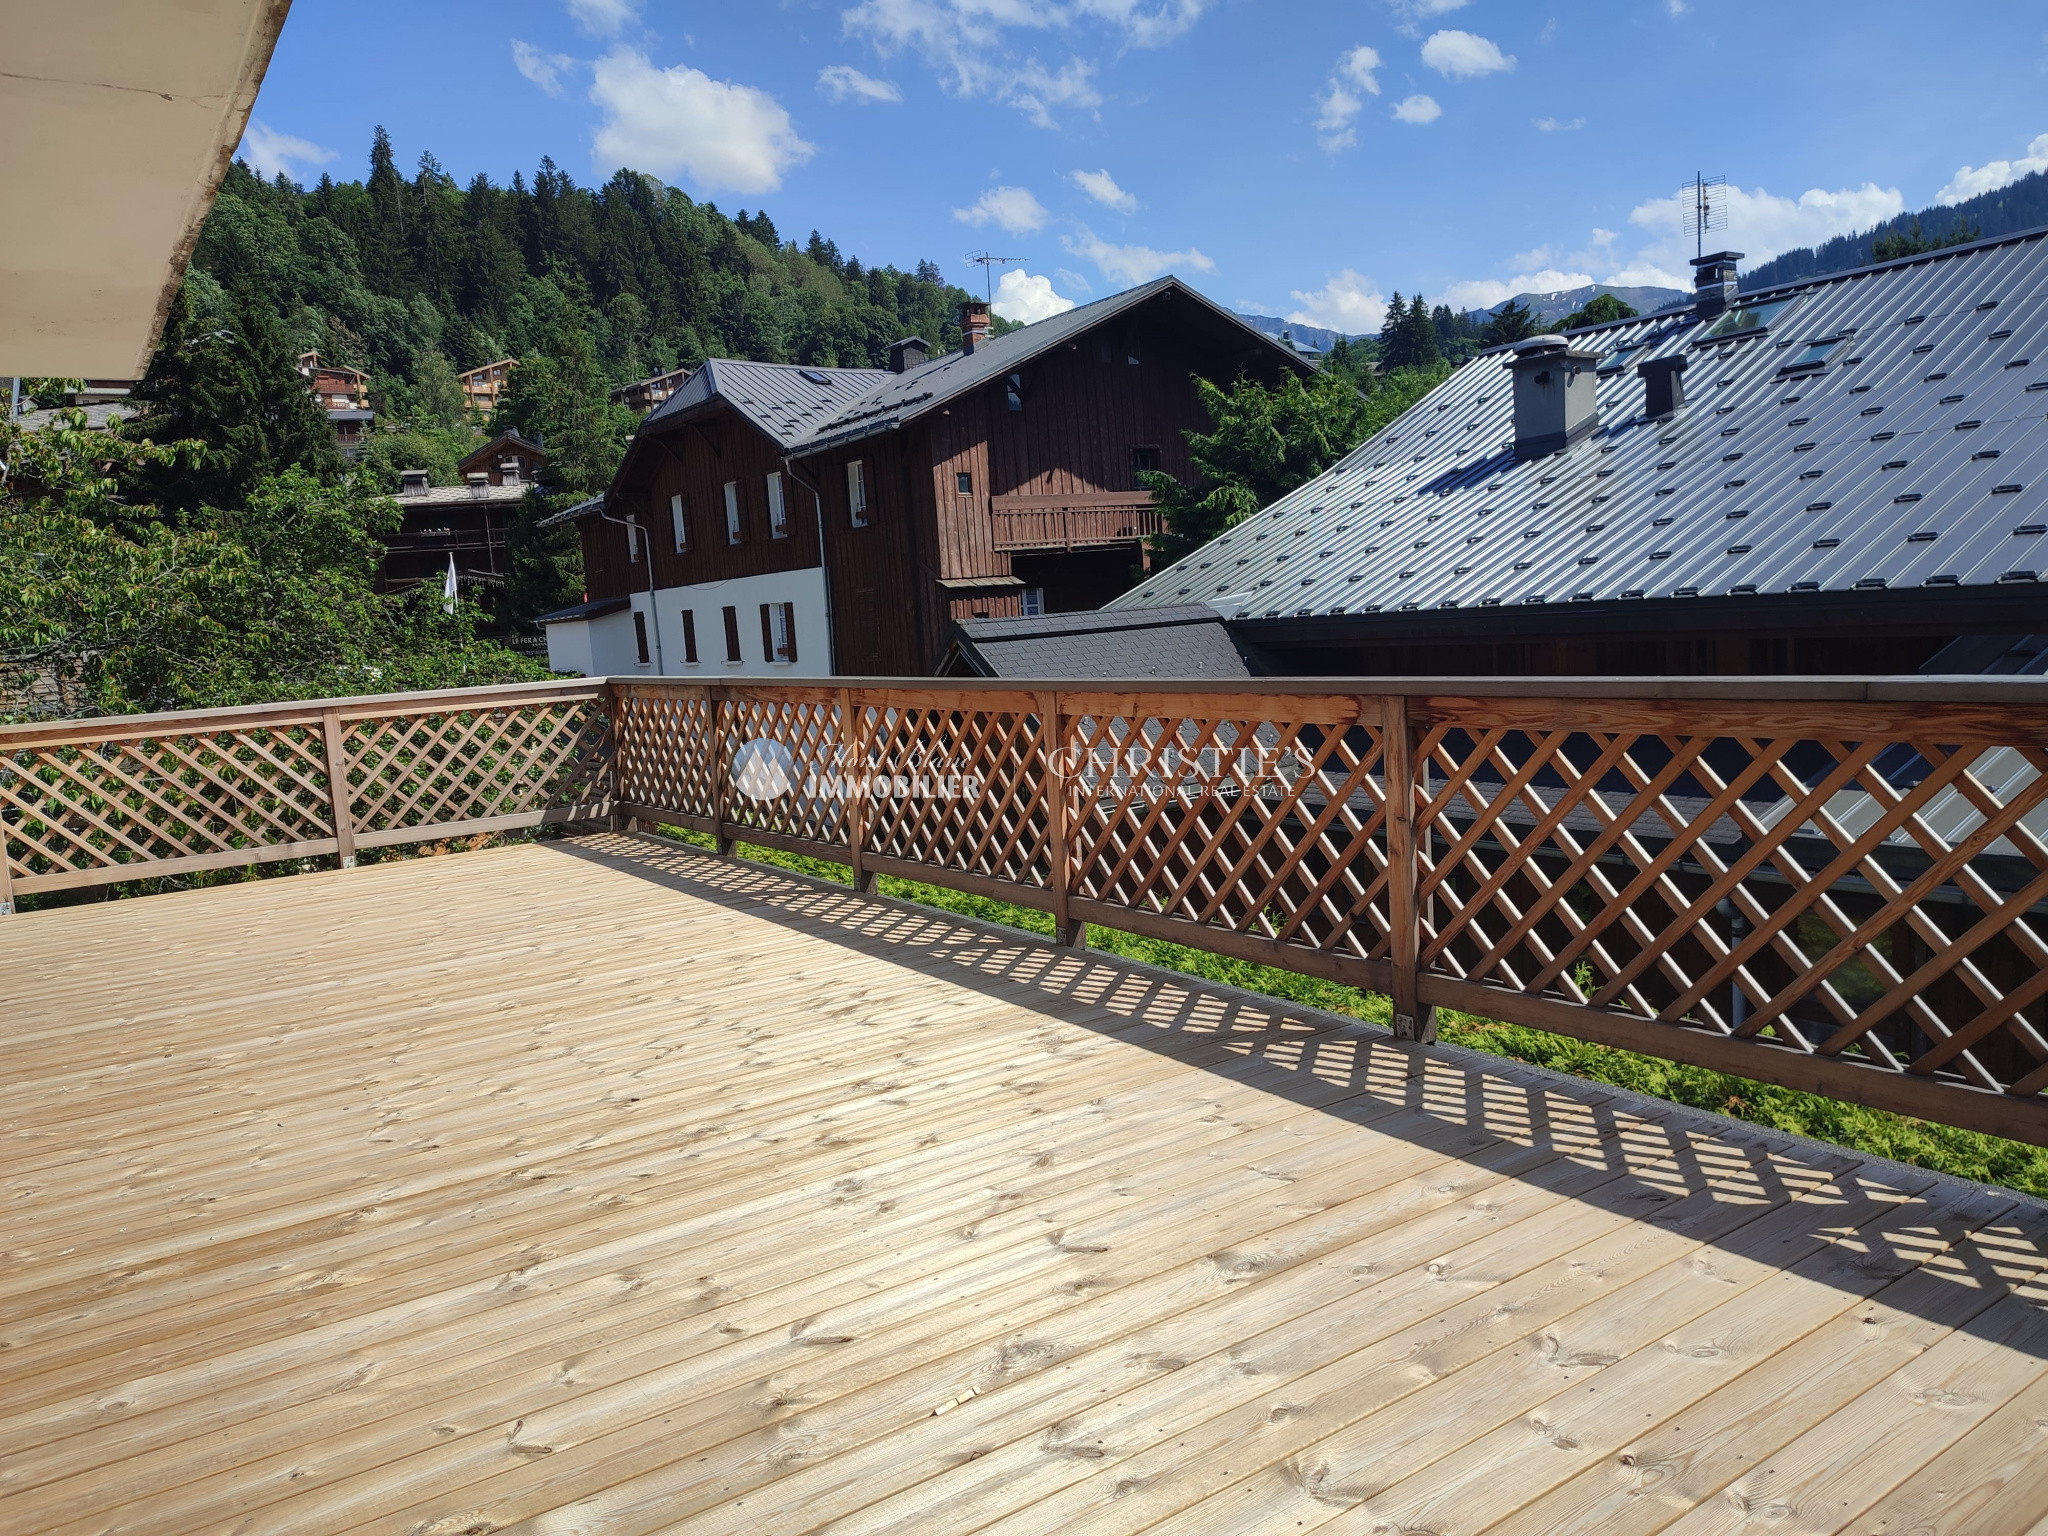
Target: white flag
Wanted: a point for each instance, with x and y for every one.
(448, 586)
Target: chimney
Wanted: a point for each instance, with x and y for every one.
(508, 471)
(412, 482)
(973, 324)
(907, 354)
(1555, 404)
(477, 480)
(1663, 386)
(1713, 283)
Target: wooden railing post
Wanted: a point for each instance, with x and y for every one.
(1052, 736)
(338, 791)
(853, 735)
(721, 772)
(6, 872)
(1412, 1021)
(621, 822)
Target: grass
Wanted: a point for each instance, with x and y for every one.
(1921, 1143)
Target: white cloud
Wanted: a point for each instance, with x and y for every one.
(604, 18)
(842, 82)
(1676, 8)
(1013, 209)
(1072, 279)
(1464, 55)
(1102, 186)
(543, 69)
(1555, 125)
(1021, 296)
(1410, 14)
(723, 136)
(1972, 181)
(1133, 263)
(1350, 301)
(1648, 274)
(269, 151)
(966, 42)
(1417, 109)
(1762, 225)
(1342, 103)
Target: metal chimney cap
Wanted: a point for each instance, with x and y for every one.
(1548, 342)
(1716, 258)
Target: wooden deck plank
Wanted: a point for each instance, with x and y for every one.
(606, 1186)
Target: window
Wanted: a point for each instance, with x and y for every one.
(778, 513)
(1812, 357)
(732, 634)
(1143, 461)
(1034, 602)
(857, 493)
(640, 636)
(732, 511)
(690, 636)
(675, 518)
(632, 541)
(1618, 360)
(966, 483)
(778, 632)
(1744, 319)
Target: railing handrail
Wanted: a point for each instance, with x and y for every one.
(73, 730)
(1909, 688)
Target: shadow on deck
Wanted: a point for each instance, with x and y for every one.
(607, 1186)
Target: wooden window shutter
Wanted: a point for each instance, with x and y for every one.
(690, 635)
(732, 634)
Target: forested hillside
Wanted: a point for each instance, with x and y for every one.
(2023, 205)
(382, 273)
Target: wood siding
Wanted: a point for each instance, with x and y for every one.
(696, 459)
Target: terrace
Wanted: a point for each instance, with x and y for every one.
(609, 1184)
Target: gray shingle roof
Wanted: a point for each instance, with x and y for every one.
(1184, 642)
(1917, 453)
(786, 401)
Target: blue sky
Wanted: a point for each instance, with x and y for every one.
(1303, 159)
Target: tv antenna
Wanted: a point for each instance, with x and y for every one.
(987, 263)
(1706, 208)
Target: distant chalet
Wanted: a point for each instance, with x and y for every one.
(778, 520)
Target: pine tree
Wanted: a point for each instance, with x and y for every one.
(386, 261)
(236, 391)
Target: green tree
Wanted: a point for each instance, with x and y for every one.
(439, 394)
(1264, 443)
(237, 393)
(1408, 337)
(1601, 309)
(1910, 240)
(1513, 321)
(110, 607)
(557, 396)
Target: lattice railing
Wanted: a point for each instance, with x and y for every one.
(1841, 893)
(98, 801)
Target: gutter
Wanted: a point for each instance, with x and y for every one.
(653, 613)
(824, 570)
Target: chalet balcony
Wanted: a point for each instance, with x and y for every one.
(610, 1184)
(1097, 520)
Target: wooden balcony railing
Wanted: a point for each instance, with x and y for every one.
(1839, 887)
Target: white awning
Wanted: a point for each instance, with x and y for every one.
(117, 122)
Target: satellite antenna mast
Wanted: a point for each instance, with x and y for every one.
(988, 263)
(1706, 208)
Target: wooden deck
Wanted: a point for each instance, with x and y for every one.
(606, 1187)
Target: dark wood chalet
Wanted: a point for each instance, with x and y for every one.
(468, 523)
(775, 518)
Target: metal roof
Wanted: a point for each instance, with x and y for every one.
(784, 400)
(1916, 454)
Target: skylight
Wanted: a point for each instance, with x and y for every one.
(815, 376)
(1743, 319)
(1620, 358)
(1813, 356)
